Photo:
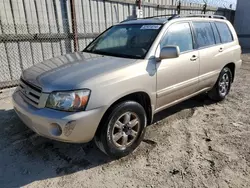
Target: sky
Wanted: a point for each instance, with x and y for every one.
(218, 3)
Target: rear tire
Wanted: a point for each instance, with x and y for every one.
(123, 130)
(222, 86)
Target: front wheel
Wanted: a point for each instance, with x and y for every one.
(222, 86)
(123, 129)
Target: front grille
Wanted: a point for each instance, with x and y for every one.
(30, 92)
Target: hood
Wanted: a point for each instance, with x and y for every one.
(70, 71)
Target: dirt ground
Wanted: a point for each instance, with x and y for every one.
(197, 143)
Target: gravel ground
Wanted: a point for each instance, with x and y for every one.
(197, 143)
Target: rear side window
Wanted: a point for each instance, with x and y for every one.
(216, 33)
(179, 35)
(204, 34)
(225, 33)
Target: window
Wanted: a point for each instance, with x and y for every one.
(216, 34)
(204, 34)
(225, 33)
(118, 38)
(179, 35)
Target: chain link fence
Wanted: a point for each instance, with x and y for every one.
(32, 31)
(34, 45)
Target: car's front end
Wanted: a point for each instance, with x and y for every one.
(65, 98)
(58, 115)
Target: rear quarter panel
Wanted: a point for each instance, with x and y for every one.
(232, 50)
(236, 48)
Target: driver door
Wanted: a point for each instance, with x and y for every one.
(177, 78)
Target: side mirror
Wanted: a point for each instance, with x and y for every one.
(168, 52)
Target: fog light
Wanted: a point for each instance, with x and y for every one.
(68, 128)
(55, 129)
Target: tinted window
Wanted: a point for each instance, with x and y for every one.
(224, 31)
(204, 34)
(216, 34)
(119, 38)
(179, 35)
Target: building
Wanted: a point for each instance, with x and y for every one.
(242, 22)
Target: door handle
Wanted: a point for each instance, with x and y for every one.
(221, 49)
(194, 58)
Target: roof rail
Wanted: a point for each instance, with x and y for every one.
(128, 20)
(173, 16)
(197, 15)
(164, 15)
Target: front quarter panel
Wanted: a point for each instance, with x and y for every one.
(140, 76)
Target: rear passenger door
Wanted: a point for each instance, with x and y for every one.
(211, 52)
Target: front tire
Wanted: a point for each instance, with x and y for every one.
(123, 129)
(222, 86)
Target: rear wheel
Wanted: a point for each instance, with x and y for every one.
(222, 86)
(123, 129)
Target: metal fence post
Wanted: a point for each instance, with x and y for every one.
(204, 8)
(139, 13)
(179, 8)
(74, 26)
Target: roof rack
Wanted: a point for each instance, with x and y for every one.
(164, 15)
(173, 16)
(197, 15)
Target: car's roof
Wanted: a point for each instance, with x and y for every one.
(163, 20)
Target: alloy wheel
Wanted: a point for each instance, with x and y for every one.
(224, 84)
(125, 130)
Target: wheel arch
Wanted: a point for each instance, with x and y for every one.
(231, 66)
(141, 97)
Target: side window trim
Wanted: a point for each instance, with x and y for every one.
(192, 35)
(195, 43)
(213, 32)
(213, 23)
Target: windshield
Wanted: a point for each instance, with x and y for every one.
(131, 41)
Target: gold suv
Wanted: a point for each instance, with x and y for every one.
(111, 90)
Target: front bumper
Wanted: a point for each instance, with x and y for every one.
(76, 127)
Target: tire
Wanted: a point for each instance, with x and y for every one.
(222, 86)
(122, 130)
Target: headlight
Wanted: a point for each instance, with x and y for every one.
(68, 100)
